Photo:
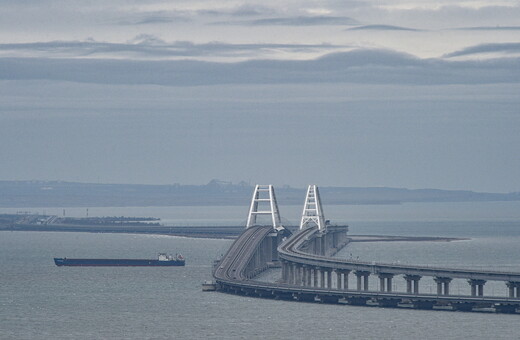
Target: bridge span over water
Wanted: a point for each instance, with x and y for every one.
(311, 273)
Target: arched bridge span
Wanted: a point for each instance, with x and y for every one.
(309, 273)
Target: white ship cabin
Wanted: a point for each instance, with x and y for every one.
(164, 257)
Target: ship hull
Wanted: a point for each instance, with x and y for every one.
(116, 263)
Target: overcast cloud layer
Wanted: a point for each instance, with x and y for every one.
(355, 93)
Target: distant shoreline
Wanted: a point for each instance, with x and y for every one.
(387, 238)
(21, 194)
(215, 232)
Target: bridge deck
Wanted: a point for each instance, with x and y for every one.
(234, 262)
(230, 276)
(290, 251)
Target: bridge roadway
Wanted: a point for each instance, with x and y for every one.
(230, 276)
(232, 266)
(290, 250)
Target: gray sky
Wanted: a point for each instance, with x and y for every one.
(337, 93)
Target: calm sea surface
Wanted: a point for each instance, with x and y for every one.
(41, 301)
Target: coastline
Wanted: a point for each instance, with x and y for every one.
(215, 232)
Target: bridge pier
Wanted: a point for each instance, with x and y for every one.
(285, 271)
(443, 285)
(388, 302)
(338, 278)
(322, 277)
(357, 300)
(422, 304)
(316, 276)
(362, 279)
(303, 275)
(514, 289)
(506, 308)
(463, 306)
(385, 282)
(307, 276)
(329, 279)
(477, 287)
(306, 297)
(328, 298)
(283, 295)
(412, 283)
(294, 274)
(345, 279)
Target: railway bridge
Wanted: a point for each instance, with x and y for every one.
(309, 272)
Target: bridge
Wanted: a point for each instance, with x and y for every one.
(310, 273)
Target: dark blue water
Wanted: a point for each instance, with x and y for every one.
(41, 301)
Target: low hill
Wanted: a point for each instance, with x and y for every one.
(72, 194)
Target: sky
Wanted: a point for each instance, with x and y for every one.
(411, 94)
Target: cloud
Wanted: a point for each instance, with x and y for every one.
(149, 46)
(187, 16)
(381, 28)
(153, 18)
(490, 28)
(487, 48)
(360, 67)
(251, 10)
(294, 21)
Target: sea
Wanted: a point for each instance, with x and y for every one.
(39, 300)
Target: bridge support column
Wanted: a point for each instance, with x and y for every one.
(477, 287)
(385, 282)
(316, 277)
(443, 285)
(284, 271)
(345, 279)
(514, 289)
(412, 283)
(317, 245)
(362, 279)
(329, 278)
(338, 279)
(294, 272)
(303, 276)
(322, 277)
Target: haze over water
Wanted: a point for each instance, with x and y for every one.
(41, 301)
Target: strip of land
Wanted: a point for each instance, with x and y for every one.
(20, 194)
(149, 225)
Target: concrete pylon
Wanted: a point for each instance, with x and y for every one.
(264, 203)
(312, 210)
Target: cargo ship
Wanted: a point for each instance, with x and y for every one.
(162, 260)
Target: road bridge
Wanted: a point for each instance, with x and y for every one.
(309, 273)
